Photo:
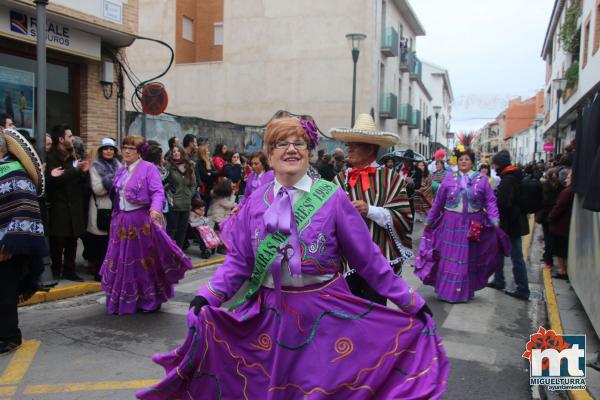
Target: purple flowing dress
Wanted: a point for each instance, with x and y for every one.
(142, 262)
(312, 342)
(448, 259)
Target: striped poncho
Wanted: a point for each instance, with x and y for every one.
(21, 227)
(387, 190)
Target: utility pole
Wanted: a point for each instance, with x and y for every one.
(41, 80)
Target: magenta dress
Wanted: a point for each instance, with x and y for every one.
(456, 265)
(142, 262)
(312, 342)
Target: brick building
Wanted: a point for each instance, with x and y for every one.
(519, 115)
(83, 81)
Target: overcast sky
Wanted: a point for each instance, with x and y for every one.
(491, 48)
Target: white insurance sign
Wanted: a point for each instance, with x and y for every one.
(23, 26)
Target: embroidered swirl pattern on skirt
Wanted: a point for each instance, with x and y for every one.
(267, 350)
(141, 265)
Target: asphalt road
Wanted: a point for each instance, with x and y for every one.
(75, 351)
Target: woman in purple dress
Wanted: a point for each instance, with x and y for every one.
(299, 332)
(260, 175)
(142, 262)
(462, 244)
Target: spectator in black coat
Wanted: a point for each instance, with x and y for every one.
(513, 222)
(559, 222)
(325, 168)
(233, 170)
(551, 187)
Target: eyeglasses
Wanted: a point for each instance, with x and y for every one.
(129, 148)
(284, 144)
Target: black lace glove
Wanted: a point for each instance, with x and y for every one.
(421, 314)
(198, 302)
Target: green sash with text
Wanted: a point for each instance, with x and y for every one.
(266, 253)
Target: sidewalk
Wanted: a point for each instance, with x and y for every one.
(566, 316)
(66, 289)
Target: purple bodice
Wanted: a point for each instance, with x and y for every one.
(464, 194)
(336, 230)
(254, 181)
(144, 187)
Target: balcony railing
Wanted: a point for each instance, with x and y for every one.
(404, 114)
(416, 71)
(407, 59)
(389, 106)
(414, 121)
(389, 44)
(418, 119)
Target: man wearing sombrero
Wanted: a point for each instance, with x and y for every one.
(22, 243)
(379, 195)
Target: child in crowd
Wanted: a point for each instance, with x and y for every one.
(223, 202)
(200, 229)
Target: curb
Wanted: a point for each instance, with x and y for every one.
(79, 289)
(556, 326)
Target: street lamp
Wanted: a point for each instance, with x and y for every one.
(535, 129)
(354, 40)
(436, 110)
(560, 85)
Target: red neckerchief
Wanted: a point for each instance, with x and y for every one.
(405, 171)
(363, 174)
(508, 169)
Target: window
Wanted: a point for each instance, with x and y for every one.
(218, 30)
(17, 91)
(187, 31)
(586, 41)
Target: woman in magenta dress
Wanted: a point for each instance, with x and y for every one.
(260, 175)
(462, 244)
(142, 262)
(298, 332)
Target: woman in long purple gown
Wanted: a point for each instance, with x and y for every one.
(298, 332)
(142, 262)
(462, 245)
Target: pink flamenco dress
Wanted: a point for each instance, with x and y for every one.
(142, 263)
(299, 333)
(463, 244)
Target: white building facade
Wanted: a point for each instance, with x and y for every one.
(292, 56)
(437, 80)
(574, 58)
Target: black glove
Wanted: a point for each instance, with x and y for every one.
(421, 314)
(198, 302)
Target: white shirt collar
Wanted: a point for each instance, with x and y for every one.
(303, 184)
(132, 166)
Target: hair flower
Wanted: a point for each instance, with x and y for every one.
(311, 130)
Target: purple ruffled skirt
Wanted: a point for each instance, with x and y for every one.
(316, 342)
(141, 265)
(455, 265)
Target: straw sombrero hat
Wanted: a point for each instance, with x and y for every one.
(364, 131)
(24, 152)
